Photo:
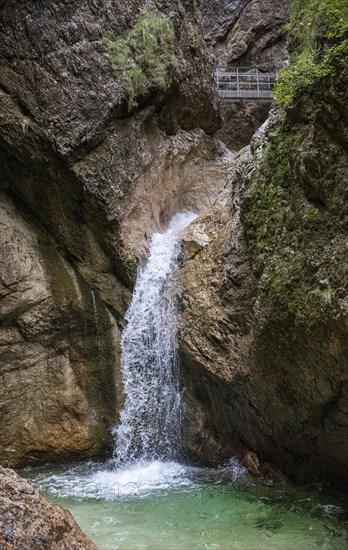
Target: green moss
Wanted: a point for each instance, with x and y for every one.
(318, 38)
(144, 57)
(269, 213)
(61, 283)
(196, 39)
(87, 325)
(298, 249)
(296, 213)
(312, 213)
(102, 435)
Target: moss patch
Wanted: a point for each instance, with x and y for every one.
(296, 217)
(62, 285)
(296, 207)
(99, 356)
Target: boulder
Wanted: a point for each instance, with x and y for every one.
(28, 521)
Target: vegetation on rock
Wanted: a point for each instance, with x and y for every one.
(289, 227)
(263, 333)
(143, 58)
(295, 215)
(318, 43)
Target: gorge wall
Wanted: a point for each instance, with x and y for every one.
(96, 154)
(264, 313)
(244, 33)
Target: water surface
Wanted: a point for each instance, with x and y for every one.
(167, 505)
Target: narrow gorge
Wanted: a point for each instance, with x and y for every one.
(173, 277)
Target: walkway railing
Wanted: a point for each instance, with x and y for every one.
(235, 83)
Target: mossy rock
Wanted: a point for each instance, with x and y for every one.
(295, 212)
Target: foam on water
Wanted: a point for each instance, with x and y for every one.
(145, 477)
(105, 482)
(157, 505)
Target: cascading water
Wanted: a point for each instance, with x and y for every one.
(145, 498)
(151, 416)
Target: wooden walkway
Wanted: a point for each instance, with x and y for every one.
(237, 83)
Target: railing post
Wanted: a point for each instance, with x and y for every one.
(237, 71)
(257, 83)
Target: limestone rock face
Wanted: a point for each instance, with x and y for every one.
(241, 120)
(29, 521)
(264, 315)
(58, 361)
(245, 33)
(216, 317)
(89, 172)
(66, 116)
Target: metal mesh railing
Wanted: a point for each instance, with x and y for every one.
(245, 82)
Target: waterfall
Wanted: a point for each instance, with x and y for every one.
(98, 330)
(96, 316)
(150, 421)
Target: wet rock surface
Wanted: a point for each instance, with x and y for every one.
(88, 174)
(58, 361)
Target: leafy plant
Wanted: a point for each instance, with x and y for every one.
(144, 57)
(318, 42)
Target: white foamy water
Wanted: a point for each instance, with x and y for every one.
(148, 437)
(107, 482)
(151, 417)
(144, 477)
(157, 505)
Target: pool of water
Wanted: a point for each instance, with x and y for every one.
(166, 505)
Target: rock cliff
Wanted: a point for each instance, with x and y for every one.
(264, 305)
(99, 146)
(244, 33)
